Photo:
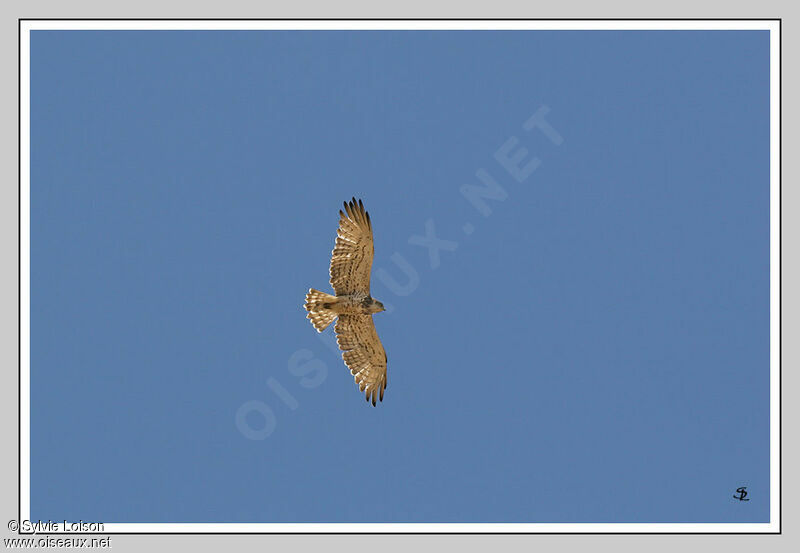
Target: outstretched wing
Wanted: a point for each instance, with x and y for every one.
(351, 261)
(363, 353)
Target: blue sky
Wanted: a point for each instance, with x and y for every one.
(595, 350)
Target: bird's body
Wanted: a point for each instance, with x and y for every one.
(357, 303)
(351, 265)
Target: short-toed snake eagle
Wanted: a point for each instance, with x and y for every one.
(351, 264)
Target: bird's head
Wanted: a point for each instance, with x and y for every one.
(377, 306)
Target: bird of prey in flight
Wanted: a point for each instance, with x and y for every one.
(351, 264)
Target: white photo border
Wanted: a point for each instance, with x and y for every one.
(771, 25)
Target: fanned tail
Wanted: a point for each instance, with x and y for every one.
(318, 307)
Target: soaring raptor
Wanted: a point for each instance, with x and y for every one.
(351, 265)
